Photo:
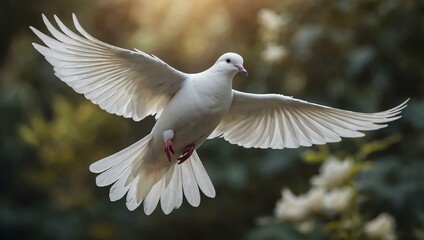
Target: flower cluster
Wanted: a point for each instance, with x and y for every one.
(322, 198)
(297, 208)
(333, 173)
(330, 196)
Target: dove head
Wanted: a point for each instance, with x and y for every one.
(231, 63)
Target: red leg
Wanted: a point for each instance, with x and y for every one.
(186, 154)
(168, 149)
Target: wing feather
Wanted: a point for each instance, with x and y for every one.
(290, 137)
(304, 138)
(127, 83)
(276, 121)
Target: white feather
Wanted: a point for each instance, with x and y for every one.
(143, 84)
(298, 122)
(191, 191)
(119, 189)
(117, 158)
(132, 202)
(172, 197)
(202, 177)
(152, 198)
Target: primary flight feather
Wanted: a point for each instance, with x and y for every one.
(190, 108)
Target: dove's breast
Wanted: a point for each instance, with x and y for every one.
(193, 113)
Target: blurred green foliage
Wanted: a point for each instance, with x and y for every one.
(364, 55)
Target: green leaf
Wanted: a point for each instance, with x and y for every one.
(378, 145)
(311, 156)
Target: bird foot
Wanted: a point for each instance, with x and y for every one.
(188, 151)
(168, 149)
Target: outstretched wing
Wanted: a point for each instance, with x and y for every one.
(276, 121)
(127, 83)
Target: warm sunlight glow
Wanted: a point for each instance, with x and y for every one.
(164, 22)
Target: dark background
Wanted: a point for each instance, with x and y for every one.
(363, 55)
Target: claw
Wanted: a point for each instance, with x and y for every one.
(168, 149)
(188, 151)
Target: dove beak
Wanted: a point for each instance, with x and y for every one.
(242, 70)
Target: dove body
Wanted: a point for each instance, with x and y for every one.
(194, 112)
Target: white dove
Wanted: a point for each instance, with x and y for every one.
(189, 108)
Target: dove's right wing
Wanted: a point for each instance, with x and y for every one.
(276, 121)
(128, 83)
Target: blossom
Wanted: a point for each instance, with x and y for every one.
(274, 53)
(382, 227)
(314, 199)
(337, 200)
(333, 172)
(297, 208)
(290, 207)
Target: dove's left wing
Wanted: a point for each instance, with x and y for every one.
(127, 83)
(276, 121)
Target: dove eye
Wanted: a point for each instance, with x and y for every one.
(228, 60)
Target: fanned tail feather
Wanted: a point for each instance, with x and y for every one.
(129, 174)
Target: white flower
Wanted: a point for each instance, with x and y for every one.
(297, 208)
(337, 200)
(333, 173)
(290, 207)
(274, 53)
(382, 227)
(270, 20)
(314, 199)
